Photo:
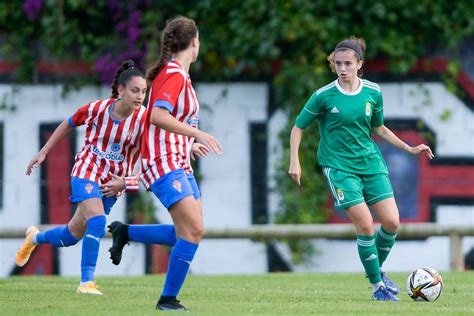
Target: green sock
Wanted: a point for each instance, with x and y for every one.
(369, 257)
(384, 242)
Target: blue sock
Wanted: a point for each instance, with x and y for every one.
(153, 234)
(180, 259)
(58, 237)
(90, 246)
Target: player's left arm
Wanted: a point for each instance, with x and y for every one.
(387, 135)
(130, 183)
(117, 185)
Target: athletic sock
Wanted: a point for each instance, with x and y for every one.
(180, 258)
(153, 234)
(377, 285)
(384, 242)
(58, 237)
(90, 246)
(369, 257)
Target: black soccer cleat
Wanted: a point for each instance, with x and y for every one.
(120, 238)
(170, 303)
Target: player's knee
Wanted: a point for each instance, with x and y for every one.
(391, 225)
(67, 238)
(366, 230)
(197, 232)
(77, 230)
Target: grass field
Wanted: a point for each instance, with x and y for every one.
(279, 293)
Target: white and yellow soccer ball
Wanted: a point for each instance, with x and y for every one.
(424, 284)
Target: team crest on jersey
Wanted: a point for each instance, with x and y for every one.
(368, 108)
(89, 188)
(340, 194)
(177, 186)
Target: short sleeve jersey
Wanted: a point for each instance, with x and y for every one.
(164, 151)
(109, 145)
(345, 121)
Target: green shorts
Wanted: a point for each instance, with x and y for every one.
(349, 189)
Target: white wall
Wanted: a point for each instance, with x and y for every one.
(227, 111)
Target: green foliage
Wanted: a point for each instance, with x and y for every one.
(7, 101)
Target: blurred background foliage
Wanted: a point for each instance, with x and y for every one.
(282, 42)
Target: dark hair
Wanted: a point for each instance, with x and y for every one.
(356, 44)
(125, 72)
(176, 36)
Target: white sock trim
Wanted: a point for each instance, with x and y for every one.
(33, 239)
(377, 285)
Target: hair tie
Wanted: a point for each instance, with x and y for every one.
(348, 44)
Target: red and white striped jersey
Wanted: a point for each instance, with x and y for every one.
(110, 145)
(164, 151)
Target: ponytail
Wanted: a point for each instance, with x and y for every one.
(124, 73)
(177, 35)
(165, 55)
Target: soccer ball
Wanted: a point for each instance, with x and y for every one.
(424, 284)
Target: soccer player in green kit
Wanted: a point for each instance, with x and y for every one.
(348, 111)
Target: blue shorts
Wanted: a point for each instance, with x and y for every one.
(175, 186)
(82, 189)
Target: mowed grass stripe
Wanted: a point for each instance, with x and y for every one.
(269, 294)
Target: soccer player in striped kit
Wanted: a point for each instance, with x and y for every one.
(348, 111)
(171, 129)
(103, 168)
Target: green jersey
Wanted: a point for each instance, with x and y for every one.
(345, 121)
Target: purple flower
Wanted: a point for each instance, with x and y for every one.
(127, 18)
(32, 8)
(134, 33)
(113, 4)
(121, 26)
(134, 30)
(106, 67)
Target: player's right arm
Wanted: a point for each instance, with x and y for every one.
(295, 168)
(59, 133)
(307, 115)
(83, 115)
